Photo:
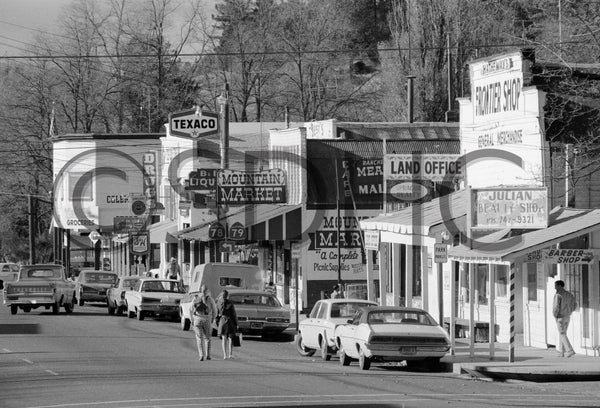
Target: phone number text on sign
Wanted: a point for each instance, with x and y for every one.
(509, 208)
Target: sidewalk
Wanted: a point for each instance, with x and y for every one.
(531, 364)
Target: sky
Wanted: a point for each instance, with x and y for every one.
(22, 20)
(19, 20)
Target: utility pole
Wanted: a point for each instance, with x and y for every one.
(31, 230)
(223, 102)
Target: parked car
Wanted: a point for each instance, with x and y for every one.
(115, 296)
(40, 285)
(154, 297)
(379, 334)
(91, 285)
(258, 312)
(316, 331)
(8, 273)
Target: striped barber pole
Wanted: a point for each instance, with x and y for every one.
(511, 344)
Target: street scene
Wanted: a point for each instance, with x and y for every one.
(235, 203)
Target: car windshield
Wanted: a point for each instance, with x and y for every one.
(46, 273)
(400, 317)
(250, 299)
(129, 283)
(163, 286)
(346, 310)
(109, 278)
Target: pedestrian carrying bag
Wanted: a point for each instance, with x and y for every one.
(237, 340)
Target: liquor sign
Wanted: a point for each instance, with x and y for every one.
(432, 167)
(126, 224)
(139, 242)
(193, 123)
(247, 187)
(524, 208)
(202, 180)
(562, 256)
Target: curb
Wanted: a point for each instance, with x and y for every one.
(505, 373)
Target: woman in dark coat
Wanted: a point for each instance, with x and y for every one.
(227, 323)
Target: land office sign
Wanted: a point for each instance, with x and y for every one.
(246, 187)
(524, 208)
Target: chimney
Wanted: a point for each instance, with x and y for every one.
(410, 98)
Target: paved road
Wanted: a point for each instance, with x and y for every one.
(90, 359)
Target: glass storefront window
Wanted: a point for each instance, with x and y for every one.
(532, 282)
(501, 280)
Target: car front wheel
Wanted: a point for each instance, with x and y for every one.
(55, 308)
(325, 350)
(140, 315)
(344, 359)
(302, 349)
(13, 309)
(185, 323)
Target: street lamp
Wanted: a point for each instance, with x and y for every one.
(223, 102)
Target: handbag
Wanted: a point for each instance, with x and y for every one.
(237, 340)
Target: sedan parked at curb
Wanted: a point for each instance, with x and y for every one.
(258, 312)
(154, 297)
(91, 285)
(384, 334)
(115, 296)
(316, 331)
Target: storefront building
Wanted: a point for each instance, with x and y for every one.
(490, 253)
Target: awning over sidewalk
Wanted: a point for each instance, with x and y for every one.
(263, 222)
(442, 213)
(564, 224)
(162, 232)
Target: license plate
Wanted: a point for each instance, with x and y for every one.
(408, 350)
(256, 325)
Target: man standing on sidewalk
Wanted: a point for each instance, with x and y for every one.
(564, 305)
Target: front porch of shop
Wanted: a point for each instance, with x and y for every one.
(530, 363)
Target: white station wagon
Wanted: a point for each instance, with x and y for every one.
(316, 331)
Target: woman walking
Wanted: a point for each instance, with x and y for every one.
(227, 323)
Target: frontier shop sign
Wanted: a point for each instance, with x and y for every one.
(246, 187)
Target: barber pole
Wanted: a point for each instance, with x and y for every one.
(511, 344)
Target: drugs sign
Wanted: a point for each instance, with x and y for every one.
(193, 123)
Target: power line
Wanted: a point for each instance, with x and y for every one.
(282, 52)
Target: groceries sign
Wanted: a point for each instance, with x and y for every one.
(194, 123)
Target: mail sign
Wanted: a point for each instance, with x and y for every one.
(194, 123)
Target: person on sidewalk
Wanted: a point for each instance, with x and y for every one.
(564, 305)
(228, 323)
(203, 312)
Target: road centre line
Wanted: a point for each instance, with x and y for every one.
(51, 372)
(277, 399)
(27, 361)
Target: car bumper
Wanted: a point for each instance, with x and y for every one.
(249, 326)
(401, 352)
(31, 301)
(93, 297)
(160, 309)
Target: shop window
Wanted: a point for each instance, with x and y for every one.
(501, 281)
(532, 282)
(481, 280)
(417, 262)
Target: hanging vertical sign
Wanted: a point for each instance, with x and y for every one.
(150, 176)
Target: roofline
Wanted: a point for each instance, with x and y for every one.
(105, 136)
